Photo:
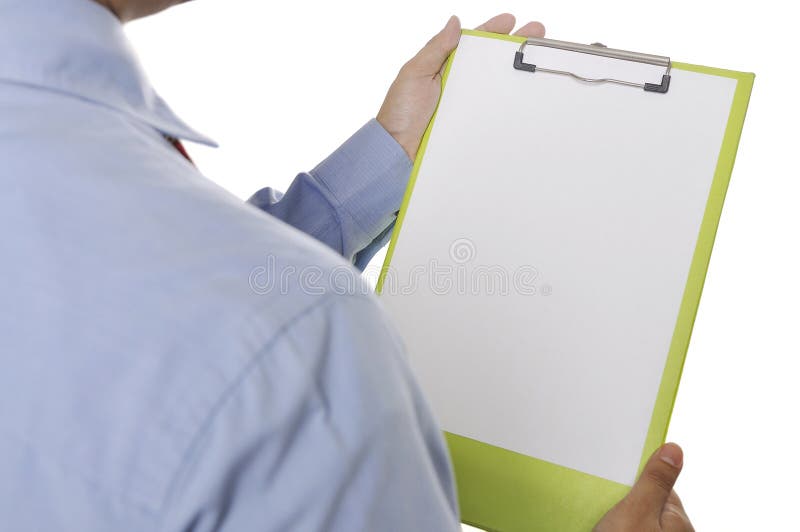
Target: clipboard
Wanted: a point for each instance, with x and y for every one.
(547, 264)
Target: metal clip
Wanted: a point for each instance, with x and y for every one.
(600, 50)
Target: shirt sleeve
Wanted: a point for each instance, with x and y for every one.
(350, 200)
(326, 431)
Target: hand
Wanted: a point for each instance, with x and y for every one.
(412, 98)
(651, 505)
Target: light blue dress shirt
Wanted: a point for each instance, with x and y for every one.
(172, 358)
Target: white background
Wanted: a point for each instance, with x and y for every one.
(281, 84)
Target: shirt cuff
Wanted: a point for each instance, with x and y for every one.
(367, 177)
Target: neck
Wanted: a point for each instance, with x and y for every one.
(126, 10)
(112, 6)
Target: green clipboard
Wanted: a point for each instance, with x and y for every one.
(500, 489)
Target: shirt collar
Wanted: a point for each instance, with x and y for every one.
(78, 47)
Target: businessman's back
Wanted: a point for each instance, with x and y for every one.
(164, 363)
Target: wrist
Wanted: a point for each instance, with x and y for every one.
(408, 142)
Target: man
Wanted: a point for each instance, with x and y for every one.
(145, 385)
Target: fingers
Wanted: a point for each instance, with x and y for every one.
(430, 59)
(502, 23)
(652, 504)
(654, 487)
(674, 517)
(674, 500)
(531, 29)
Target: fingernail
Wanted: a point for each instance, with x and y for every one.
(671, 454)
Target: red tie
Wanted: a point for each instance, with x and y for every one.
(178, 146)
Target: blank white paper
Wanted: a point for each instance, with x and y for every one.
(538, 273)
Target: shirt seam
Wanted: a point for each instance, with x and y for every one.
(339, 205)
(335, 210)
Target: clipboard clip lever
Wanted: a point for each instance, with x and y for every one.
(600, 50)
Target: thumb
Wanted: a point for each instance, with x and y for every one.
(430, 59)
(651, 491)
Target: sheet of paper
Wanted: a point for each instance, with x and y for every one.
(538, 273)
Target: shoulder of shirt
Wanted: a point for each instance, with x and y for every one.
(245, 279)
